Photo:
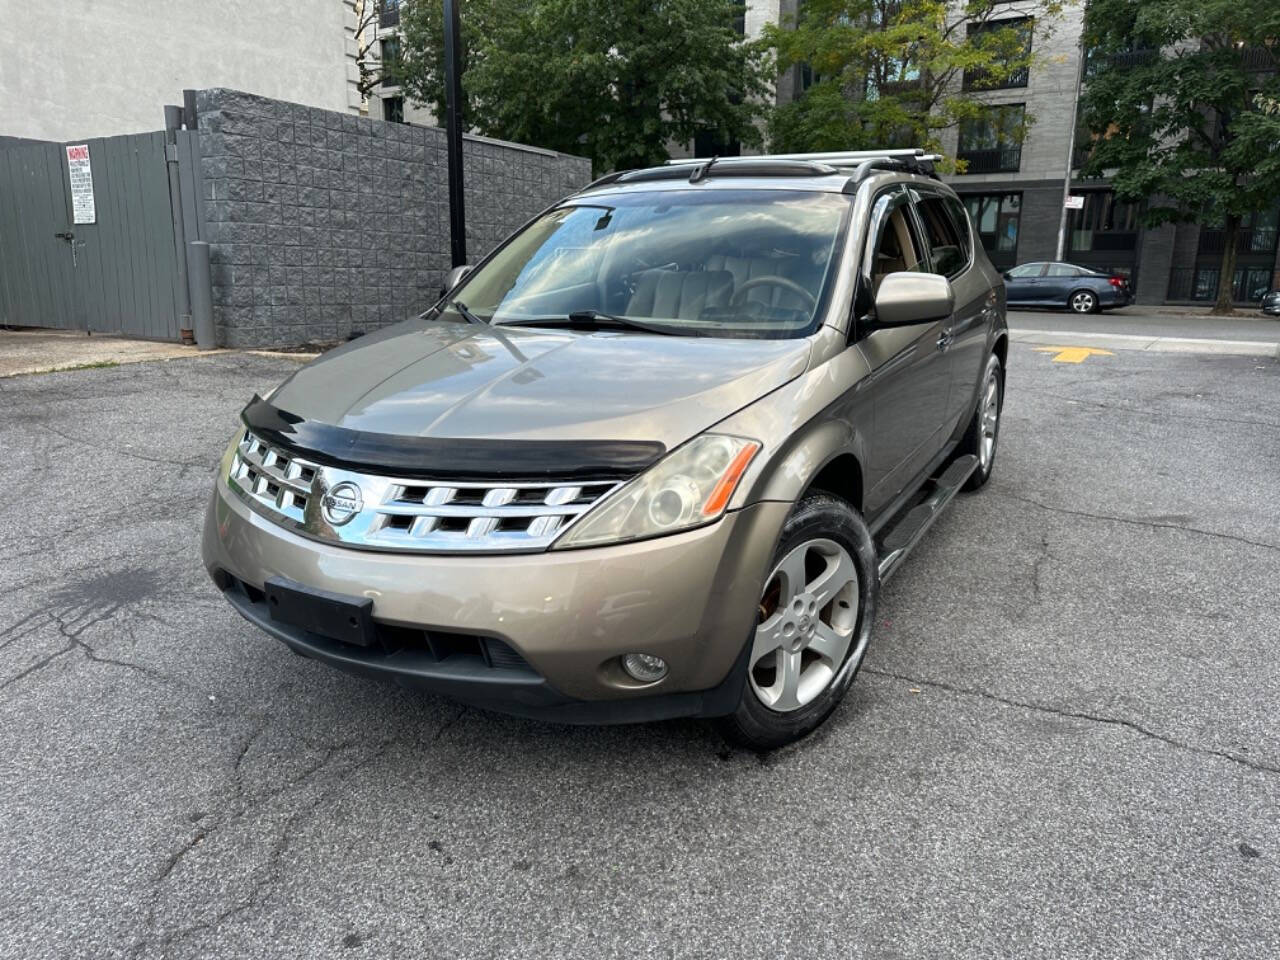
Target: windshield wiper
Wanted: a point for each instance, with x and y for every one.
(457, 306)
(589, 318)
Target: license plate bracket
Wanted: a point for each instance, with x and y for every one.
(333, 615)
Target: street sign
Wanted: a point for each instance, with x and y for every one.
(81, 176)
(1074, 202)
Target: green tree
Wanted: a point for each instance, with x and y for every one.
(1181, 103)
(615, 80)
(892, 72)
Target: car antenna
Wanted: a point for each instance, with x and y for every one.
(701, 171)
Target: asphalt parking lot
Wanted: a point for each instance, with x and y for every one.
(1065, 742)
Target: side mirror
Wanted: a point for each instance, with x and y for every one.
(907, 298)
(454, 277)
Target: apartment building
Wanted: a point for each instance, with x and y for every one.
(1019, 153)
(1013, 185)
(1017, 157)
(108, 67)
(381, 37)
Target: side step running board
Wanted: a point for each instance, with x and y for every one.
(906, 533)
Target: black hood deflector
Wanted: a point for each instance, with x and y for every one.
(439, 458)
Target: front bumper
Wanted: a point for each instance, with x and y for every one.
(689, 598)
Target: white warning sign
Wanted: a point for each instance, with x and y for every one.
(81, 175)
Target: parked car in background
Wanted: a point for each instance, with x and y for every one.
(1055, 284)
(1271, 304)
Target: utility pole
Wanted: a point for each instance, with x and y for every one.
(1071, 150)
(453, 132)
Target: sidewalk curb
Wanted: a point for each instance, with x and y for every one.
(1239, 348)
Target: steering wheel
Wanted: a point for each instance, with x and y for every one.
(775, 281)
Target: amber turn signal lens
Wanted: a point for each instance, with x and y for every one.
(728, 482)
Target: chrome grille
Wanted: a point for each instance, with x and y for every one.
(412, 515)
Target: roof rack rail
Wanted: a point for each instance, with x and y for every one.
(863, 162)
(859, 163)
(834, 158)
(921, 166)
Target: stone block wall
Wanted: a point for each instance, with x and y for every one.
(322, 223)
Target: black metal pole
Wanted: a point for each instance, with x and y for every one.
(453, 132)
(190, 120)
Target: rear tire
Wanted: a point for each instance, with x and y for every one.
(813, 627)
(1083, 301)
(983, 435)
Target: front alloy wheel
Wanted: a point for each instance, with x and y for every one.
(812, 626)
(808, 612)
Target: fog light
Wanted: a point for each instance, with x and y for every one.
(644, 668)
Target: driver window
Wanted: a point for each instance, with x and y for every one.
(896, 249)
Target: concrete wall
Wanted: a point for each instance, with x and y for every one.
(87, 68)
(323, 223)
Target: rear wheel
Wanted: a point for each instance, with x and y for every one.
(983, 434)
(812, 627)
(1083, 301)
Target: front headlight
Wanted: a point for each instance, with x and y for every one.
(688, 488)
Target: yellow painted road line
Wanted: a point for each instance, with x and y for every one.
(1074, 354)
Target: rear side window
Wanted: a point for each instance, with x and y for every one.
(961, 220)
(1063, 270)
(946, 249)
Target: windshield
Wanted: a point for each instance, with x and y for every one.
(724, 263)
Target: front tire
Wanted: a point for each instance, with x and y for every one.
(813, 627)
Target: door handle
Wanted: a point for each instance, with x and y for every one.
(944, 340)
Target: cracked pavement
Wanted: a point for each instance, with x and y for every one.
(1064, 743)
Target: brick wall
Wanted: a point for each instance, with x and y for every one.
(323, 223)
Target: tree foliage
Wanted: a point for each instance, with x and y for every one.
(1181, 99)
(615, 80)
(888, 73)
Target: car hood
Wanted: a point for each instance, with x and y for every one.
(436, 379)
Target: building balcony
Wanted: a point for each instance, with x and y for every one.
(1259, 240)
(1096, 62)
(978, 80)
(1000, 160)
(1260, 59)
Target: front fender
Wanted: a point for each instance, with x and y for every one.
(803, 426)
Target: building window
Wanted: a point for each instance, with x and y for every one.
(984, 36)
(390, 61)
(992, 141)
(388, 13)
(995, 218)
(1105, 224)
(714, 143)
(393, 109)
(1249, 284)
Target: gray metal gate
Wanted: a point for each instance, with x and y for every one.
(120, 274)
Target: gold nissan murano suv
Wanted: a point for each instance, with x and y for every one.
(652, 457)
